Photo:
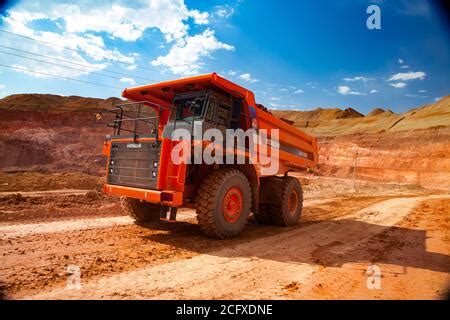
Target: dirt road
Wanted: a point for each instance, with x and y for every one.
(326, 257)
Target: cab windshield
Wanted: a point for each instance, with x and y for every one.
(188, 109)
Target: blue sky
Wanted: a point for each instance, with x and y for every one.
(293, 55)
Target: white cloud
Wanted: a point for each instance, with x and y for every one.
(128, 22)
(128, 80)
(275, 105)
(184, 56)
(43, 70)
(224, 11)
(406, 76)
(373, 91)
(409, 95)
(358, 78)
(130, 67)
(437, 99)
(232, 72)
(346, 90)
(422, 91)
(18, 21)
(274, 98)
(405, 67)
(247, 77)
(415, 8)
(283, 89)
(400, 61)
(93, 45)
(199, 17)
(292, 107)
(35, 72)
(299, 91)
(117, 19)
(399, 85)
(2, 86)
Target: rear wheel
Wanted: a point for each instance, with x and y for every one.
(223, 203)
(263, 215)
(289, 205)
(140, 211)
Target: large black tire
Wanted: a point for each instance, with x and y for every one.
(140, 211)
(267, 185)
(288, 208)
(223, 203)
(263, 214)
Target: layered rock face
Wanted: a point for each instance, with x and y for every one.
(52, 133)
(410, 148)
(59, 134)
(420, 157)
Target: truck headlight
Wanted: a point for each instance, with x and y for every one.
(154, 174)
(155, 164)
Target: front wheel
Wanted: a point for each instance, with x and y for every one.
(140, 211)
(223, 203)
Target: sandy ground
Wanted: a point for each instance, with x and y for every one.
(402, 233)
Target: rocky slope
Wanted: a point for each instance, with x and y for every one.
(334, 122)
(55, 103)
(59, 134)
(52, 133)
(409, 148)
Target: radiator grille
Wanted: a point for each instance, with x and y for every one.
(133, 164)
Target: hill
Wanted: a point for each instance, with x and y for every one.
(332, 122)
(55, 103)
(58, 134)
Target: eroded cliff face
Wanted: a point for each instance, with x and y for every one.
(51, 141)
(410, 148)
(419, 157)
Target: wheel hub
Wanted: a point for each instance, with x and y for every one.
(232, 205)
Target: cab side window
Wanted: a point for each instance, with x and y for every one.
(211, 110)
(237, 115)
(222, 114)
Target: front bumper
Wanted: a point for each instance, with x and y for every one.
(168, 198)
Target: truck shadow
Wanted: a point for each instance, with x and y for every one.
(326, 243)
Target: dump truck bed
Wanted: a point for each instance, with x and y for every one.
(297, 150)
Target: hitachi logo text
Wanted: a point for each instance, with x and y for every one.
(134, 146)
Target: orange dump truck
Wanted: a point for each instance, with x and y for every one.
(152, 184)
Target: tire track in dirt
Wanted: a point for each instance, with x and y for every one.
(413, 258)
(38, 262)
(22, 230)
(63, 192)
(258, 269)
